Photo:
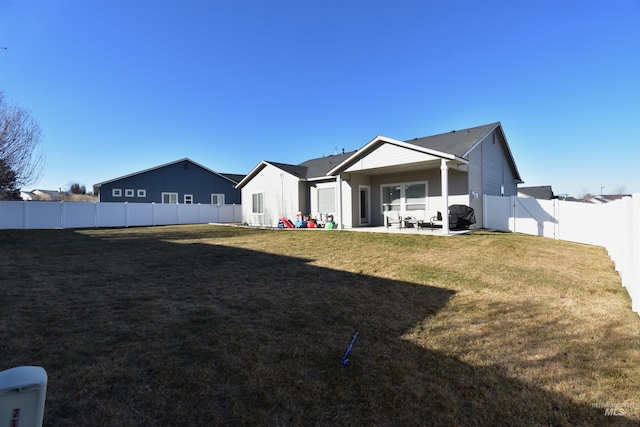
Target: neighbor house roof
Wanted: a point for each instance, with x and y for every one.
(543, 192)
(235, 177)
(225, 176)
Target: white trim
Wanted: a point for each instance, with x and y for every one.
(116, 192)
(129, 192)
(141, 192)
(187, 199)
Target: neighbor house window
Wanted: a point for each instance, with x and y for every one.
(257, 203)
(170, 198)
(217, 199)
(128, 192)
(188, 199)
(142, 193)
(116, 192)
(326, 200)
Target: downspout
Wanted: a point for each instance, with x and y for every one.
(339, 184)
(444, 182)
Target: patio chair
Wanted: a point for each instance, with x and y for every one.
(392, 217)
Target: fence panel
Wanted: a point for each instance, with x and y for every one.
(110, 215)
(78, 215)
(497, 213)
(536, 217)
(12, 215)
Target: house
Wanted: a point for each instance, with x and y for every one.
(182, 181)
(542, 192)
(386, 176)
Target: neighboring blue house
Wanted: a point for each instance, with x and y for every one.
(182, 181)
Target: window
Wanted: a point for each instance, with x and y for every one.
(128, 192)
(170, 198)
(257, 203)
(116, 192)
(188, 199)
(217, 199)
(410, 196)
(391, 198)
(326, 200)
(142, 193)
(415, 196)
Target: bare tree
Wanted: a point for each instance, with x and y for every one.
(20, 137)
(585, 196)
(620, 190)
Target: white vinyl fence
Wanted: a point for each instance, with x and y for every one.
(614, 225)
(34, 214)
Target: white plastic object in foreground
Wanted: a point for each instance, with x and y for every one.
(22, 394)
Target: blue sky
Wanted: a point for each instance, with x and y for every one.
(122, 86)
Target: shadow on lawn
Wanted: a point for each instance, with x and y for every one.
(155, 333)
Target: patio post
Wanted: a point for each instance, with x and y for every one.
(339, 194)
(444, 182)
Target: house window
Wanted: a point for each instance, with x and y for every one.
(217, 199)
(128, 192)
(188, 199)
(116, 192)
(409, 196)
(170, 198)
(257, 203)
(142, 193)
(391, 197)
(326, 200)
(415, 196)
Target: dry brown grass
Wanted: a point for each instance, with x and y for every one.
(213, 325)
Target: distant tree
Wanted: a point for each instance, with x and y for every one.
(585, 196)
(76, 188)
(8, 189)
(620, 190)
(20, 137)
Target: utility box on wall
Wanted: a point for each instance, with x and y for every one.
(22, 395)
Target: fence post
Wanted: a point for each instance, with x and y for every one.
(24, 215)
(62, 213)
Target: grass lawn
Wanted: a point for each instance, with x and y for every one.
(216, 325)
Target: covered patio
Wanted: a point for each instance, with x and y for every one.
(394, 177)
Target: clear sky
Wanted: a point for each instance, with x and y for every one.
(122, 86)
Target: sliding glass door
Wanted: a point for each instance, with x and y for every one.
(406, 196)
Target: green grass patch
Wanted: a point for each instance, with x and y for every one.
(215, 325)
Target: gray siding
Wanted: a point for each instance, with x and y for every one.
(490, 173)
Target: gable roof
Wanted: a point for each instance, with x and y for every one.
(224, 176)
(456, 142)
(454, 145)
(320, 167)
(313, 168)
